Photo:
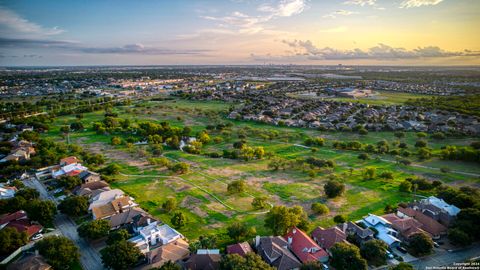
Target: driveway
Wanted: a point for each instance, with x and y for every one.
(89, 257)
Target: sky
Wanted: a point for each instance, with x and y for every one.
(310, 32)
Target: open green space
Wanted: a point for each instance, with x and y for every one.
(202, 193)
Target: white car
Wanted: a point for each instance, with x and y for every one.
(325, 267)
(37, 236)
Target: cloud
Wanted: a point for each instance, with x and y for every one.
(361, 2)
(380, 52)
(285, 8)
(339, 29)
(340, 12)
(12, 24)
(77, 47)
(419, 3)
(251, 24)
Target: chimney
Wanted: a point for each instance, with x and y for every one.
(289, 240)
(294, 230)
(120, 207)
(257, 240)
(148, 221)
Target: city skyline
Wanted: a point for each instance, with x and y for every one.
(350, 32)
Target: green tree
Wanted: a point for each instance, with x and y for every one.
(116, 140)
(399, 134)
(320, 208)
(421, 143)
(339, 219)
(405, 186)
(346, 256)
(280, 218)
(111, 169)
(69, 182)
(178, 219)
(369, 173)
(121, 255)
(169, 205)
(180, 167)
(420, 244)
(203, 242)
(237, 186)
(374, 251)
(41, 211)
(11, 239)
(459, 237)
(387, 175)
(94, 229)
(333, 188)
(250, 261)
(117, 236)
(239, 231)
(74, 206)
(59, 251)
(259, 202)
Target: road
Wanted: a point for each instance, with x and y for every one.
(89, 257)
(445, 258)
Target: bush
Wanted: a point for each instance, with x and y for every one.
(259, 202)
(60, 252)
(405, 186)
(320, 208)
(237, 186)
(333, 188)
(339, 219)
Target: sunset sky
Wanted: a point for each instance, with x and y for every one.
(154, 32)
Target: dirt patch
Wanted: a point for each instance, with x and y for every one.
(227, 172)
(191, 203)
(130, 159)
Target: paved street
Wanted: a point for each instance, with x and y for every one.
(90, 258)
(445, 258)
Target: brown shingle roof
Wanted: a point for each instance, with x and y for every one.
(174, 251)
(326, 238)
(240, 248)
(204, 262)
(430, 225)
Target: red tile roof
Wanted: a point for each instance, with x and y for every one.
(6, 218)
(241, 249)
(304, 247)
(326, 238)
(69, 160)
(24, 225)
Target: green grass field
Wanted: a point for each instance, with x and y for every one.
(202, 193)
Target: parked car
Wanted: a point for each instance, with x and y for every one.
(402, 249)
(325, 267)
(435, 244)
(390, 255)
(37, 236)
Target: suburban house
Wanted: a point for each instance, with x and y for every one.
(69, 160)
(437, 209)
(134, 217)
(240, 248)
(116, 206)
(88, 177)
(361, 234)
(22, 150)
(91, 189)
(274, 250)
(7, 192)
(384, 227)
(304, 247)
(430, 225)
(154, 235)
(20, 222)
(204, 259)
(326, 238)
(73, 169)
(105, 197)
(406, 226)
(174, 251)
